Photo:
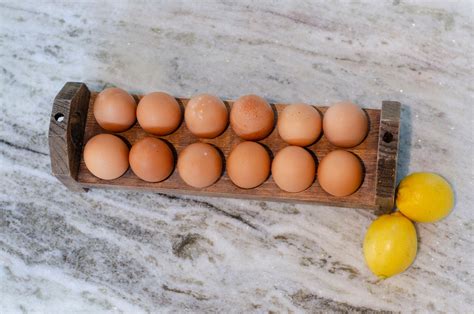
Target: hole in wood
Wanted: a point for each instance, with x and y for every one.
(387, 137)
(59, 117)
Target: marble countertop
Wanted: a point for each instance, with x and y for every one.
(118, 251)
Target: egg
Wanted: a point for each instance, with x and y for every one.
(293, 169)
(340, 173)
(114, 109)
(345, 124)
(248, 165)
(252, 118)
(200, 165)
(299, 124)
(151, 159)
(159, 113)
(106, 156)
(206, 116)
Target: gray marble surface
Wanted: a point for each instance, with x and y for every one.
(124, 252)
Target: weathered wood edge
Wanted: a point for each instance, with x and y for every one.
(226, 195)
(66, 133)
(387, 156)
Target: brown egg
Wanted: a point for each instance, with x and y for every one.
(151, 159)
(299, 124)
(200, 165)
(206, 116)
(252, 118)
(293, 169)
(106, 156)
(340, 173)
(248, 165)
(345, 124)
(114, 109)
(159, 113)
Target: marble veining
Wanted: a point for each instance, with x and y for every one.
(130, 252)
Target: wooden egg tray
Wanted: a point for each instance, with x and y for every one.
(72, 125)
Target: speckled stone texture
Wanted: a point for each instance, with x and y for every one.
(130, 252)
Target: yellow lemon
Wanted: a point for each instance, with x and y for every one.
(390, 245)
(425, 197)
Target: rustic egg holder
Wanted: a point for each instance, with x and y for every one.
(72, 124)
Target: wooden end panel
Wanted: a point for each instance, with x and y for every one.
(387, 156)
(66, 132)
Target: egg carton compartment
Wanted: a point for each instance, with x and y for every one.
(73, 124)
